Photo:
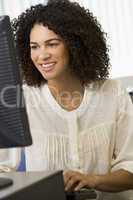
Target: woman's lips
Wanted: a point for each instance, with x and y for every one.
(48, 67)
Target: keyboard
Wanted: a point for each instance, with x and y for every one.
(82, 194)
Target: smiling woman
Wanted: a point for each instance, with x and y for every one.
(80, 120)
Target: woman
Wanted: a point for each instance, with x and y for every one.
(80, 121)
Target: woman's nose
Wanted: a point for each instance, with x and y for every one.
(44, 54)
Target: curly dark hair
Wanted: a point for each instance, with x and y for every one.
(80, 30)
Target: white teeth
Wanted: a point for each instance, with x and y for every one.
(48, 65)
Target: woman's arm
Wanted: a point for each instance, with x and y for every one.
(112, 182)
(115, 181)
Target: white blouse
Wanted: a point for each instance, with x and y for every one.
(97, 137)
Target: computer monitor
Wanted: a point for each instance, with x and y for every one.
(14, 127)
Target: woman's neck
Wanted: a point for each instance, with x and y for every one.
(68, 92)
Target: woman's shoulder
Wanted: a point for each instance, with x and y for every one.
(29, 88)
(34, 89)
(32, 92)
(33, 95)
(111, 83)
(116, 86)
(106, 85)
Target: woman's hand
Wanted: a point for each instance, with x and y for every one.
(75, 180)
(111, 182)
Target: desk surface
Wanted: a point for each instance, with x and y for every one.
(36, 184)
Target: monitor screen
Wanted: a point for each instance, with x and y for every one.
(14, 127)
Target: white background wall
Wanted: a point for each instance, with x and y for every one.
(116, 18)
(15, 7)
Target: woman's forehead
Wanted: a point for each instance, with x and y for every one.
(39, 31)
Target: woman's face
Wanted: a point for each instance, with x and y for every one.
(48, 52)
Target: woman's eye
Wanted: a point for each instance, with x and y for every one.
(52, 44)
(33, 47)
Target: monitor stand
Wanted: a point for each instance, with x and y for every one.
(5, 182)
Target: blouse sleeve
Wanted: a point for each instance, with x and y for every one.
(123, 150)
(9, 159)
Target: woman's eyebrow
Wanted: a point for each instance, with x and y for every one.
(52, 39)
(57, 39)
